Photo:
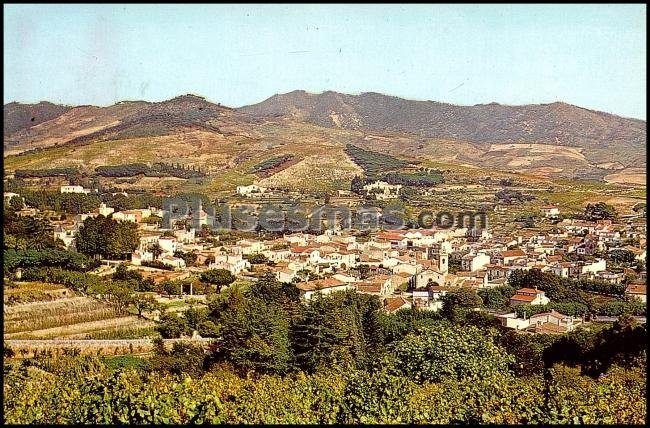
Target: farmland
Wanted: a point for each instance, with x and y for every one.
(48, 311)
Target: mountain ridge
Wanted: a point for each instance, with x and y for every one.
(547, 139)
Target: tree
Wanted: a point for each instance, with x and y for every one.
(16, 203)
(621, 255)
(155, 249)
(144, 303)
(599, 211)
(171, 326)
(356, 186)
(456, 304)
(195, 317)
(337, 330)
(497, 297)
(254, 334)
(257, 259)
(182, 359)
(188, 257)
(218, 277)
(108, 238)
(444, 351)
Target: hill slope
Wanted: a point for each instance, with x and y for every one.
(19, 116)
(556, 123)
(544, 140)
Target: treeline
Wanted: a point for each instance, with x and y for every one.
(26, 258)
(49, 172)
(78, 203)
(158, 169)
(572, 297)
(510, 196)
(71, 203)
(122, 202)
(373, 163)
(578, 309)
(271, 163)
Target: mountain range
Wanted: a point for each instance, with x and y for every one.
(556, 139)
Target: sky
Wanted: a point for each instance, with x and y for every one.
(593, 56)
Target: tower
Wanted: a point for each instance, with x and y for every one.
(443, 262)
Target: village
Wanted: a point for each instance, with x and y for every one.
(405, 268)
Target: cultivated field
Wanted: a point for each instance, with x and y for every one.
(47, 311)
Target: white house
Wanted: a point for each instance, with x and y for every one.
(550, 211)
(141, 256)
(383, 190)
(323, 286)
(251, 190)
(234, 263)
(597, 266)
(185, 236)
(511, 321)
(175, 262)
(553, 322)
(474, 262)
(251, 247)
(67, 235)
(168, 244)
(429, 298)
(126, 216)
(285, 275)
(74, 189)
(105, 210)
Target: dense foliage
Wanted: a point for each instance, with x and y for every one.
(70, 260)
(510, 196)
(271, 163)
(22, 233)
(574, 297)
(71, 203)
(373, 163)
(84, 390)
(158, 169)
(337, 359)
(599, 211)
(107, 237)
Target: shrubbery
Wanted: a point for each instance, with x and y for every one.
(373, 163)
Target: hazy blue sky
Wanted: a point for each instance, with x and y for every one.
(592, 56)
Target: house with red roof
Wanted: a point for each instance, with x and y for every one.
(529, 296)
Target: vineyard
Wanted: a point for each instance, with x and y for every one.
(374, 163)
(36, 310)
(83, 390)
(26, 348)
(265, 167)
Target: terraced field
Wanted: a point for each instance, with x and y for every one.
(70, 316)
